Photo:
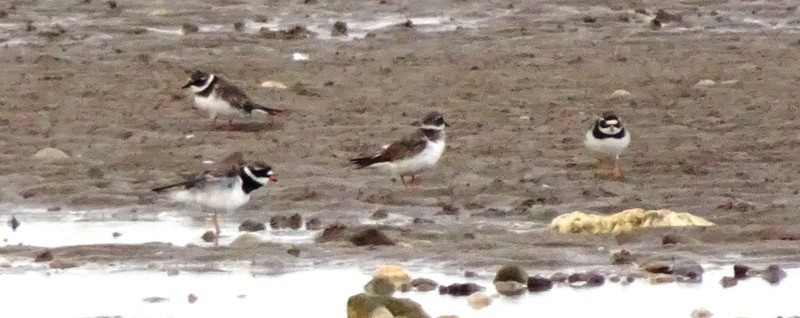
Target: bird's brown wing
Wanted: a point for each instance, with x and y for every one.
(232, 93)
(401, 149)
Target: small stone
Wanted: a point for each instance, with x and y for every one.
(671, 239)
(773, 274)
(339, 29)
(50, 154)
(188, 28)
(313, 224)
(371, 236)
(380, 286)
(728, 281)
(589, 19)
(54, 209)
(408, 24)
(627, 280)
(701, 313)
(586, 280)
(396, 274)
(239, 26)
(511, 273)
(381, 312)
(61, 264)
(620, 93)
(112, 4)
(333, 232)
(295, 221)
(539, 284)
(614, 278)
(13, 223)
(478, 300)
(379, 214)
(192, 298)
(460, 289)
(424, 284)
(510, 288)
(740, 271)
(729, 82)
(251, 226)
(246, 240)
(704, 83)
(273, 84)
(278, 222)
(559, 277)
(208, 236)
(44, 256)
(420, 221)
(116, 234)
(622, 257)
(470, 274)
(660, 279)
(657, 267)
(294, 251)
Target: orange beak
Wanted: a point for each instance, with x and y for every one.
(273, 178)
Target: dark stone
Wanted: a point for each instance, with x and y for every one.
(13, 223)
(470, 274)
(379, 214)
(208, 236)
(294, 251)
(665, 17)
(424, 284)
(295, 221)
(371, 236)
(116, 234)
(539, 284)
(339, 29)
(589, 19)
(773, 274)
(362, 305)
(45, 256)
(333, 232)
(690, 272)
(238, 26)
(511, 273)
(460, 289)
(671, 239)
(559, 277)
(251, 226)
(112, 4)
(586, 280)
(728, 281)
(657, 268)
(313, 224)
(740, 271)
(419, 221)
(622, 257)
(278, 222)
(408, 24)
(190, 28)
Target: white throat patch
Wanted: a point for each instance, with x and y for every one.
(196, 89)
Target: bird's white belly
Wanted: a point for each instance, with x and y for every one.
(220, 198)
(420, 162)
(214, 105)
(612, 147)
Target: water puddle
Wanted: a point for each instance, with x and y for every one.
(85, 293)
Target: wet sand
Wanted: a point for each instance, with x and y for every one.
(519, 84)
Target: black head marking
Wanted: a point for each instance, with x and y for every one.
(261, 171)
(435, 119)
(198, 78)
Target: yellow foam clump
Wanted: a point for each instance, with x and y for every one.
(625, 221)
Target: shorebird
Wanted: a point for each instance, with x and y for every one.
(609, 139)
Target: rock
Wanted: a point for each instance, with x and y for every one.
(688, 272)
(408, 24)
(728, 281)
(379, 214)
(192, 298)
(333, 232)
(13, 223)
(660, 279)
(511, 273)
(773, 274)
(704, 83)
(509, 288)
(381, 312)
(589, 19)
(208, 236)
(188, 28)
(239, 26)
(251, 226)
(294, 251)
(665, 17)
(246, 240)
(614, 278)
(50, 154)
(478, 300)
(460, 289)
(363, 305)
(44, 256)
(61, 264)
(112, 4)
(586, 280)
(625, 221)
(701, 313)
(380, 286)
(339, 29)
(657, 267)
(154, 300)
(671, 239)
(396, 274)
(740, 271)
(622, 257)
(295, 221)
(313, 224)
(424, 284)
(4, 262)
(277, 222)
(620, 93)
(559, 277)
(539, 284)
(627, 280)
(371, 236)
(116, 234)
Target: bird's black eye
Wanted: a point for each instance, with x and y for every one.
(439, 120)
(618, 125)
(603, 124)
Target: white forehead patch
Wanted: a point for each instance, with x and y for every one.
(612, 122)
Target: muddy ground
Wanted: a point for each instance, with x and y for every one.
(519, 91)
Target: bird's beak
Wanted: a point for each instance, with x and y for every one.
(272, 178)
(187, 85)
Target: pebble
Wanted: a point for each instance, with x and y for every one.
(728, 281)
(192, 298)
(208, 236)
(460, 289)
(297, 56)
(50, 154)
(773, 274)
(424, 284)
(620, 93)
(704, 83)
(45, 256)
(246, 240)
(701, 313)
(539, 284)
(339, 29)
(478, 300)
(740, 271)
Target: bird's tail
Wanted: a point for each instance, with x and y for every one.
(364, 162)
(253, 107)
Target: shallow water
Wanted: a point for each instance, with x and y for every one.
(90, 293)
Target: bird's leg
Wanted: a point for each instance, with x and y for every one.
(403, 180)
(215, 220)
(616, 173)
(413, 178)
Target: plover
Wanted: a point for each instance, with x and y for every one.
(224, 186)
(608, 138)
(219, 97)
(413, 154)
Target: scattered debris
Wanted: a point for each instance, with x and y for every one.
(339, 29)
(297, 56)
